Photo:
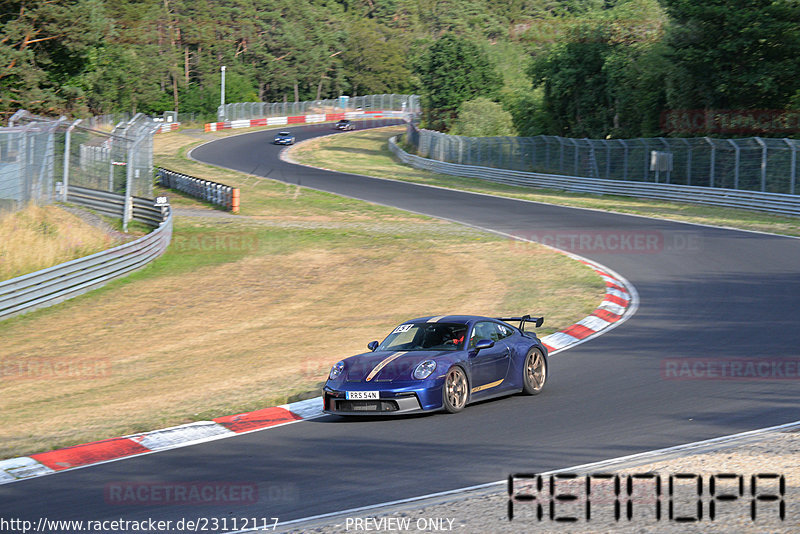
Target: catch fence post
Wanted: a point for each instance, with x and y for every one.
(763, 163)
(65, 178)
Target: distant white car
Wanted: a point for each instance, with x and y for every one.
(283, 138)
(345, 124)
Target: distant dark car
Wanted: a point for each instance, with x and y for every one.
(439, 363)
(345, 124)
(283, 138)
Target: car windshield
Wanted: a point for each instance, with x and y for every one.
(284, 133)
(425, 336)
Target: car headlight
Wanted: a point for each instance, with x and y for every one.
(424, 369)
(336, 370)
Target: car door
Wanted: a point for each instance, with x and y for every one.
(488, 367)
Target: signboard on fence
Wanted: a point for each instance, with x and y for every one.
(660, 161)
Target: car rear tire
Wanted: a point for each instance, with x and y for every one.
(455, 390)
(534, 372)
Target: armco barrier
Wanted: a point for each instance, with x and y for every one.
(113, 204)
(730, 198)
(213, 192)
(61, 282)
(168, 127)
(301, 119)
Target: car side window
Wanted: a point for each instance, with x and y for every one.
(495, 333)
(504, 331)
(483, 330)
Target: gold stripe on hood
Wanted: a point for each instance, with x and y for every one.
(383, 364)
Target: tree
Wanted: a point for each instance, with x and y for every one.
(452, 71)
(733, 54)
(482, 117)
(374, 60)
(44, 48)
(604, 79)
(577, 99)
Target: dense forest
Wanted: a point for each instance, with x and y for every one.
(595, 68)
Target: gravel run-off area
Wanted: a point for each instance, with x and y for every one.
(486, 509)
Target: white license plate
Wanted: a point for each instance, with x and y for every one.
(362, 395)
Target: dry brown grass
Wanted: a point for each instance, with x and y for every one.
(187, 340)
(38, 237)
(241, 336)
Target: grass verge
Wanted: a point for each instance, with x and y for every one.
(245, 312)
(37, 237)
(366, 152)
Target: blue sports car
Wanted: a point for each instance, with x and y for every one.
(438, 363)
(283, 138)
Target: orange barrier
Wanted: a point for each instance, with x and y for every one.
(235, 201)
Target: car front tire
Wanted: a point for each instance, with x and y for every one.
(534, 372)
(455, 390)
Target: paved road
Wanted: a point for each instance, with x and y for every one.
(705, 293)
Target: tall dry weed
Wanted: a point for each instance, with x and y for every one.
(38, 237)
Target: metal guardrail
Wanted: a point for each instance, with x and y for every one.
(61, 282)
(732, 198)
(766, 165)
(213, 192)
(113, 204)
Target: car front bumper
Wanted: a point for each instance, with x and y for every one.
(394, 401)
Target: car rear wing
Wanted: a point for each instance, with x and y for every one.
(524, 319)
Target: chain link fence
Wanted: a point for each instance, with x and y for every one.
(752, 164)
(260, 110)
(39, 157)
(27, 164)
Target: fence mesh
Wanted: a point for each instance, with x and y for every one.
(753, 164)
(260, 110)
(27, 164)
(37, 154)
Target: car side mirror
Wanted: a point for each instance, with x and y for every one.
(484, 344)
(372, 345)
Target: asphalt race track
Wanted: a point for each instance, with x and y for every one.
(711, 293)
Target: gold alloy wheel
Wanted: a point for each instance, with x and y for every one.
(535, 371)
(455, 390)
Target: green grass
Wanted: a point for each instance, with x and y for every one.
(246, 312)
(366, 152)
